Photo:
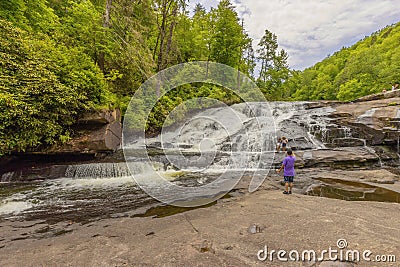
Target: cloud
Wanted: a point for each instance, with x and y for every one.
(309, 30)
(206, 3)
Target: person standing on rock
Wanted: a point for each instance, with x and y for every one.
(279, 144)
(288, 171)
(284, 143)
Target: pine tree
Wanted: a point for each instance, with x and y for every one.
(274, 68)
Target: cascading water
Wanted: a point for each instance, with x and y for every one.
(190, 155)
(253, 131)
(97, 170)
(366, 118)
(7, 177)
(108, 170)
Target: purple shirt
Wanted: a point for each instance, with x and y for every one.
(288, 162)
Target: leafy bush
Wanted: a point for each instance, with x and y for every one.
(42, 89)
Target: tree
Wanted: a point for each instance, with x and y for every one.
(129, 61)
(228, 39)
(274, 68)
(249, 58)
(167, 15)
(194, 35)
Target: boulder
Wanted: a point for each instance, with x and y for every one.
(348, 142)
(338, 158)
(372, 118)
(96, 132)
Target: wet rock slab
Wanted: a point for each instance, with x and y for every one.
(381, 176)
(361, 185)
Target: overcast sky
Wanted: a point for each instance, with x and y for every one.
(309, 30)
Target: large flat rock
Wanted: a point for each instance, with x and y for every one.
(227, 234)
(345, 157)
(361, 185)
(381, 176)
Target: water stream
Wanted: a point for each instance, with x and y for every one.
(190, 155)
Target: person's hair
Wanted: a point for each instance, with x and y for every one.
(289, 151)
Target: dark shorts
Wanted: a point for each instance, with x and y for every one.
(283, 144)
(288, 179)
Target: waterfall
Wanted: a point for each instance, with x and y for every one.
(214, 143)
(109, 170)
(97, 170)
(7, 177)
(366, 118)
(252, 127)
(244, 136)
(372, 151)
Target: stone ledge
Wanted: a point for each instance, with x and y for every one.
(386, 95)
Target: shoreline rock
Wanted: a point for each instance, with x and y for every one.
(97, 132)
(215, 236)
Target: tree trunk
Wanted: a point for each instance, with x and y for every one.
(158, 89)
(162, 28)
(106, 25)
(171, 31)
(208, 60)
(238, 80)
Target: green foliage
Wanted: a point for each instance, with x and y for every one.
(28, 14)
(81, 27)
(369, 66)
(181, 100)
(43, 89)
(194, 35)
(13, 11)
(274, 68)
(60, 58)
(34, 105)
(40, 17)
(228, 39)
(355, 88)
(130, 36)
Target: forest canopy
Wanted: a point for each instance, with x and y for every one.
(59, 59)
(371, 65)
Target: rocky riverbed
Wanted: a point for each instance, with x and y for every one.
(65, 209)
(229, 233)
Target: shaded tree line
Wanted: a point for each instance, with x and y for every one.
(61, 58)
